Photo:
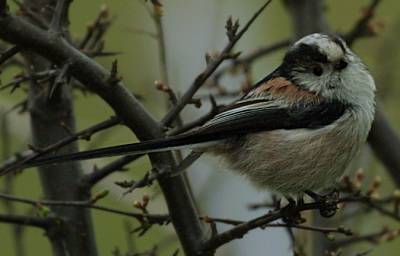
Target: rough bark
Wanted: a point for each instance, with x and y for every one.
(49, 119)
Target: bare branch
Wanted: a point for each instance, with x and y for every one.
(361, 28)
(60, 80)
(242, 228)
(161, 86)
(149, 218)
(251, 57)
(16, 163)
(374, 204)
(92, 27)
(153, 175)
(186, 162)
(198, 122)
(35, 17)
(51, 121)
(374, 238)
(114, 77)
(324, 230)
(8, 54)
(92, 42)
(38, 77)
(157, 18)
(99, 173)
(147, 180)
(211, 67)
(25, 220)
(262, 51)
(60, 16)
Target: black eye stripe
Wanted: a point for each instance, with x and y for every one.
(307, 56)
(304, 53)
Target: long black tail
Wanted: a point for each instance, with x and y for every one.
(158, 145)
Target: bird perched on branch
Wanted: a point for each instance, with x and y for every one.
(296, 130)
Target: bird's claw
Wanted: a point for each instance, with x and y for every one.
(328, 203)
(291, 214)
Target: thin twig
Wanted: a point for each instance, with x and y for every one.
(161, 47)
(242, 228)
(361, 28)
(9, 53)
(38, 19)
(198, 122)
(252, 56)
(149, 218)
(60, 16)
(210, 69)
(375, 204)
(95, 32)
(373, 238)
(358, 31)
(153, 175)
(186, 162)
(98, 54)
(59, 80)
(324, 230)
(99, 173)
(15, 164)
(147, 180)
(21, 78)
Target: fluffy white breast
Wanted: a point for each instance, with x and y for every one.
(292, 161)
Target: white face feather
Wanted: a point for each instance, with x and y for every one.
(352, 85)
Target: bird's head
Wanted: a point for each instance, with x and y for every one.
(324, 65)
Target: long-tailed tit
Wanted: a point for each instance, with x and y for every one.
(296, 130)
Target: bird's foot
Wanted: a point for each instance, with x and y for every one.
(328, 203)
(291, 213)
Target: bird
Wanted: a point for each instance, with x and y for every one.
(296, 130)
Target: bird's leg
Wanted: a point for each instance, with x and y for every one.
(328, 203)
(291, 215)
(300, 200)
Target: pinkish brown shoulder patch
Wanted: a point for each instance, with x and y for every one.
(282, 88)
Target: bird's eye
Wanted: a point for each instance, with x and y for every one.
(341, 65)
(317, 70)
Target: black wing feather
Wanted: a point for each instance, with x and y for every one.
(254, 118)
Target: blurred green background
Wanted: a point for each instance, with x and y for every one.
(192, 28)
